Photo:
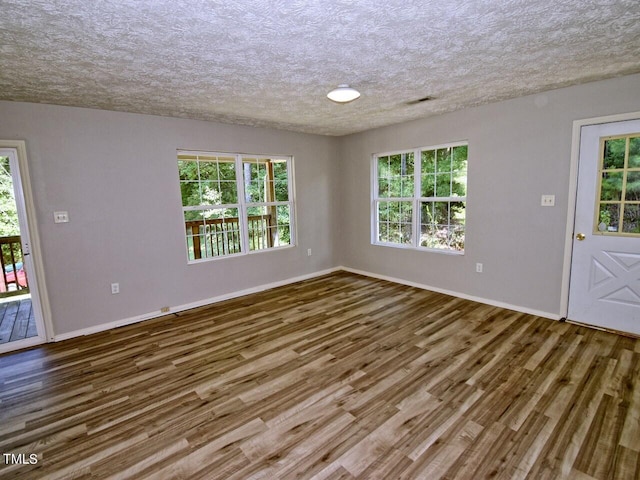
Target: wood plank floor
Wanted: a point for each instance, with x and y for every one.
(16, 320)
(339, 377)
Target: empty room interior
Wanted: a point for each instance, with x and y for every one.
(320, 239)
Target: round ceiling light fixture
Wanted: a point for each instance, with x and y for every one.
(343, 94)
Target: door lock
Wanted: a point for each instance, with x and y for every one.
(580, 236)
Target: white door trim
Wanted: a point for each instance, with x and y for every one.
(573, 191)
(36, 254)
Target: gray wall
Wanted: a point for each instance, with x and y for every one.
(518, 150)
(116, 175)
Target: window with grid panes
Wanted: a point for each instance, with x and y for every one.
(419, 198)
(618, 208)
(235, 204)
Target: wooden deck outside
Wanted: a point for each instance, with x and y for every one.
(16, 320)
(338, 377)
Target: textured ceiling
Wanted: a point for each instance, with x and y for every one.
(271, 62)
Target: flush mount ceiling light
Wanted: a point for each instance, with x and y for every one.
(343, 94)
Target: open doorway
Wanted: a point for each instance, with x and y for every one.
(21, 321)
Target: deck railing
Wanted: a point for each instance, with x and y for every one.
(13, 278)
(221, 236)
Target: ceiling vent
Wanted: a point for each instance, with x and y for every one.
(420, 100)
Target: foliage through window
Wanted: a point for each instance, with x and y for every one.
(9, 220)
(618, 209)
(234, 204)
(420, 198)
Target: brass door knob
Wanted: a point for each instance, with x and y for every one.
(580, 236)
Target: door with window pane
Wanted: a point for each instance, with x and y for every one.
(605, 268)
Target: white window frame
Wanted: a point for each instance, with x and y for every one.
(243, 205)
(416, 199)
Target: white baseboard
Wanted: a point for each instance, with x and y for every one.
(517, 308)
(179, 308)
(260, 288)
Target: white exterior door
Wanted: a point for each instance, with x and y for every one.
(605, 267)
(27, 258)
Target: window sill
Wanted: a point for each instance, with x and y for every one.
(420, 249)
(237, 255)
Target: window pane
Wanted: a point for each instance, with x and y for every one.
(401, 164)
(443, 185)
(394, 221)
(428, 161)
(384, 170)
(407, 186)
(426, 213)
(458, 214)
(282, 191)
(449, 237)
(188, 170)
(631, 219)
(222, 232)
(429, 236)
(634, 152)
(383, 231)
(396, 176)
(459, 184)
(611, 187)
(614, 153)
(269, 227)
(194, 225)
(266, 181)
(395, 186)
(402, 186)
(450, 164)
(283, 225)
(443, 160)
(259, 221)
(632, 193)
(253, 182)
(209, 171)
(201, 181)
(435, 212)
(228, 192)
(280, 169)
(428, 185)
(609, 217)
(459, 168)
(460, 154)
(210, 193)
(456, 237)
(280, 181)
(227, 171)
(384, 189)
(193, 220)
(190, 192)
(212, 232)
(395, 165)
(442, 225)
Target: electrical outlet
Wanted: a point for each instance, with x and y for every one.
(115, 288)
(61, 217)
(308, 252)
(164, 310)
(548, 200)
(478, 268)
